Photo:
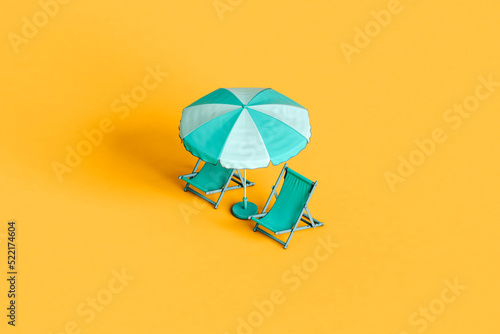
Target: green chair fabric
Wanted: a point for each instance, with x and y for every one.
(212, 179)
(290, 207)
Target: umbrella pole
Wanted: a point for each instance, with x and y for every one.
(244, 209)
(245, 189)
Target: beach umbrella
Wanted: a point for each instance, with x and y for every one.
(245, 128)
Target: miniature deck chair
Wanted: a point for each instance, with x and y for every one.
(212, 179)
(290, 207)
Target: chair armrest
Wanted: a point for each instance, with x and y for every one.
(260, 215)
(187, 175)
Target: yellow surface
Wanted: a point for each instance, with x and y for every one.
(400, 238)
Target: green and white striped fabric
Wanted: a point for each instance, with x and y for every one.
(245, 127)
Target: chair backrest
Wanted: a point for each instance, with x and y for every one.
(292, 197)
(213, 176)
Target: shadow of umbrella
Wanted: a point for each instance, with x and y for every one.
(149, 148)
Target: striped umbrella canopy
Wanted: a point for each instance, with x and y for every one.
(245, 128)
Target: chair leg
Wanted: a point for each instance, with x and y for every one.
(288, 240)
(219, 199)
(269, 235)
(201, 196)
(294, 228)
(186, 187)
(224, 189)
(256, 226)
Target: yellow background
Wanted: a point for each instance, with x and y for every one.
(122, 207)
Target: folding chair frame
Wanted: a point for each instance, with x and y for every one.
(233, 177)
(304, 214)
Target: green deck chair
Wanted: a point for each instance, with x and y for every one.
(212, 179)
(290, 207)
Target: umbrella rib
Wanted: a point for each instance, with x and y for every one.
(257, 133)
(276, 104)
(234, 96)
(227, 137)
(281, 123)
(209, 120)
(250, 99)
(258, 94)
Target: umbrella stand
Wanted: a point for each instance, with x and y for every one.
(244, 209)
